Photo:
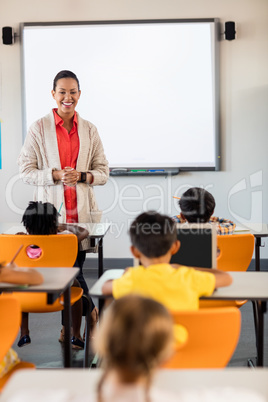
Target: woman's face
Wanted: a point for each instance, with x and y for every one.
(66, 95)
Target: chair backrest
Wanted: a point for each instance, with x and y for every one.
(57, 250)
(198, 245)
(212, 337)
(10, 318)
(235, 252)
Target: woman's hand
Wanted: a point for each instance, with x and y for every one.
(68, 176)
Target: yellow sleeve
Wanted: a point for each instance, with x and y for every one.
(203, 282)
(123, 285)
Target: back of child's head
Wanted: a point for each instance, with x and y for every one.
(40, 218)
(135, 336)
(153, 234)
(197, 205)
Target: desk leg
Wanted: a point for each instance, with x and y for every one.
(257, 253)
(88, 322)
(260, 332)
(67, 328)
(100, 259)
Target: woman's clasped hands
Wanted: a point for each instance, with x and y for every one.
(69, 176)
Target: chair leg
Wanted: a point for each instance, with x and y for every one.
(256, 323)
(256, 318)
(88, 322)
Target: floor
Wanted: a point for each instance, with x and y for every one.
(46, 351)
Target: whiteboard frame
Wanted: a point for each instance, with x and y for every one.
(216, 81)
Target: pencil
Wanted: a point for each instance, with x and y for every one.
(16, 254)
(60, 207)
(177, 198)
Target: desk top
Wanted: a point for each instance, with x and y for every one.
(173, 381)
(95, 290)
(96, 230)
(246, 285)
(56, 280)
(257, 229)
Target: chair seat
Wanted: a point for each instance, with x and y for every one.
(19, 366)
(35, 302)
(221, 303)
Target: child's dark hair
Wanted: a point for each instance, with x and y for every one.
(197, 205)
(40, 218)
(153, 234)
(65, 74)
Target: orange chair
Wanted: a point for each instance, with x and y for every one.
(235, 255)
(235, 252)
(57, 251)
(212, 338)
(10, 318)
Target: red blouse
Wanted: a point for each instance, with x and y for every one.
(68, 146)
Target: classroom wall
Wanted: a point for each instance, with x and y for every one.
(240, 188)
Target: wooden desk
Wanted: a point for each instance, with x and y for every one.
(259, 230)
(246, 285)
(56, 282)
(97, 231)
(173, 381)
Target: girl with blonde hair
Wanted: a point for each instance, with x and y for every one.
(135, 338)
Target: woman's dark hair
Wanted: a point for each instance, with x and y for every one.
(65, 74)
(153, 234)
(197, 205)
(40, 218)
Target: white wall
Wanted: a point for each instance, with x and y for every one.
(240, 189)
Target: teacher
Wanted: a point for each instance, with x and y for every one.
(64, 158)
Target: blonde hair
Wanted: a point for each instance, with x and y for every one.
(134, 338)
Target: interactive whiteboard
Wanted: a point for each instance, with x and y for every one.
(150, 87)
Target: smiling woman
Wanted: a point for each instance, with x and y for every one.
(63, 158)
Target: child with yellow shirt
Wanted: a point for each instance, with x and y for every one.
(154, 241)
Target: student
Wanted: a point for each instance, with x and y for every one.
(197, 206)
(154, 241)
(135, 338)
(42, 219)
(19, 276)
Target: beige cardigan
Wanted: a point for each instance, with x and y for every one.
(39, 156)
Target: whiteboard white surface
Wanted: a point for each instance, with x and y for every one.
(150, 88)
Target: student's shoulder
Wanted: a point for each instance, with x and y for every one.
(224, 226)
(177, 219)
(181, 269)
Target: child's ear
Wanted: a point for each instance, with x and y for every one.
(135, 252)
(175, 247)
